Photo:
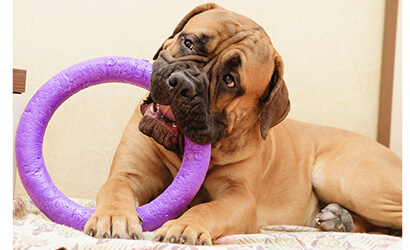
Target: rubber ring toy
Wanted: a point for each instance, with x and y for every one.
(30, 134)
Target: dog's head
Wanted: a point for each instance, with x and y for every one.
(217, 75)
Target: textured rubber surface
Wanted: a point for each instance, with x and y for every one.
(30, 134)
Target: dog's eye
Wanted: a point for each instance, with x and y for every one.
(229, 81)
(189, 44)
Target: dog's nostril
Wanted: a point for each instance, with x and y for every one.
(184, 92)
(188, 92)
(172, 82)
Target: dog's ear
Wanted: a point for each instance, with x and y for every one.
(275, 101)
(199, 9)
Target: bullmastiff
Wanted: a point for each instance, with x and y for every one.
(218, 80)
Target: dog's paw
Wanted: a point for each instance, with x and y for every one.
(183, 232)
(114, 224)
(334, 218)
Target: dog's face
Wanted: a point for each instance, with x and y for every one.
(216, 75)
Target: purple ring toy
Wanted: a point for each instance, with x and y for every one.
(30, 134)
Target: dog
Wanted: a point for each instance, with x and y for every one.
(218, 80)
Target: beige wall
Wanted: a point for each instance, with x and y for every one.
(331, 49)
(396, 123)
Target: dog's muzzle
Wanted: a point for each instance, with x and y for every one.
(179, 99)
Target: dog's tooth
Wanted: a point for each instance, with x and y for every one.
(151, 109)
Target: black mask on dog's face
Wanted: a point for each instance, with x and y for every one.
(178, 105)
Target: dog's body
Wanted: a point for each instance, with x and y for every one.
(223, 81)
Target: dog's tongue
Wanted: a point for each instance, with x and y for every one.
(166, 112)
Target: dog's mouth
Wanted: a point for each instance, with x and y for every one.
(159, 122)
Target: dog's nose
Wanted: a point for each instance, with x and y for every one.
(181, 84)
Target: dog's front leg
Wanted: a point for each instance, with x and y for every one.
(131, 184)
(115, 216)
(137, 175)
(231, 214)
(232, 210)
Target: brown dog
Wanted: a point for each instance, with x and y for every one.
(218, 80)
